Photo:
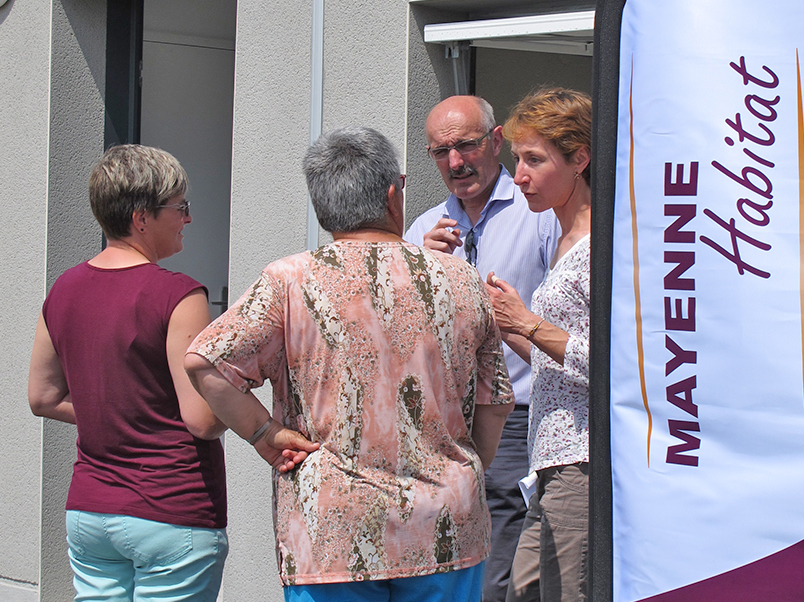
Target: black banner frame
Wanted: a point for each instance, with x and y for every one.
(605, 92)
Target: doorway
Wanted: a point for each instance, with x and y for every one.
(188, 56)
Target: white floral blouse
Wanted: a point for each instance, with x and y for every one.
(559, 395)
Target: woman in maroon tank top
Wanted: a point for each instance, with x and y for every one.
(146, 510)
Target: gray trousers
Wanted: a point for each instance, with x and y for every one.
(551, 558)
(505, 502)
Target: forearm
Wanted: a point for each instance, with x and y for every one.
(518, 344)
(527, 328)
(241, 412)
(487, 428)
(283, 448)
(203, 425)
(196, 413)
(514, 317)
(550, 339)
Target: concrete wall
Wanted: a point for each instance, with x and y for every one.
(52, 56)
(365, 66)
(77, 83)
(364, 84)
(25, 65)
(268, 219)
(430, 80)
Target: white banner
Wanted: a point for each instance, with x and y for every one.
(707, 372)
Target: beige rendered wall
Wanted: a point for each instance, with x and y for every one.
(76, 120)
(52, 55)
(268, 221)
(24, 63)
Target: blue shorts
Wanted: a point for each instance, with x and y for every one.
(464, 585)
(118, 558)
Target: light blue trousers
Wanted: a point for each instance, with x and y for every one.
(118, 558)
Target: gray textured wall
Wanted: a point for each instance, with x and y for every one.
(365, 66)
(430, 80)
(24, 63)
(52, 60)
(364, 83)
(78, 49)
(268, 220)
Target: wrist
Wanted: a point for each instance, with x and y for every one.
(260, 432)
(533, 329)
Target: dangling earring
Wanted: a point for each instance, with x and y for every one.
(577, 175)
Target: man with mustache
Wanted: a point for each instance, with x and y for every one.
(486, 220)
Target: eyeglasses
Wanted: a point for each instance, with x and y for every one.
(464, 147)
(402, 179)
(183, 206)
(470, 248)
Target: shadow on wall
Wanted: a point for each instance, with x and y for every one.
(430, 80)
(5, 9)
(504, 77)
(85, 20)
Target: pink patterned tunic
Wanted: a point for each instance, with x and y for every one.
(380, 351)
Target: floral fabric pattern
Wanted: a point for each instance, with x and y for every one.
(379, 351)
(559, 396)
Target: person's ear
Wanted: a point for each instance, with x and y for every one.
(393, 204)
(139, 220)
(496, 138)
(581, 158)
(396, 207)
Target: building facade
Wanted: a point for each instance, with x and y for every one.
(236, 90)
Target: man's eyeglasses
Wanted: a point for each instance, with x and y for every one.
(464, 147)
(401, 179)
(183, 206)
(470, 248)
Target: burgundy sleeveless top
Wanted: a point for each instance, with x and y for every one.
(135, 455)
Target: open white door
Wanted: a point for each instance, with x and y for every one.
(187, 100)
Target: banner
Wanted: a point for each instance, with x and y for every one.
(707, 369)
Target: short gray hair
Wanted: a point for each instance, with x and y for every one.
(349, 171)
(486, 114)
(129, 178)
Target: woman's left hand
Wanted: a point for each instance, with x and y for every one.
(509, 310)
(283, 448)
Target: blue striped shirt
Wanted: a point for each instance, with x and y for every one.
(512, 241)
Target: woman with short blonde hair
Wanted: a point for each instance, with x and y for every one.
(550, 135)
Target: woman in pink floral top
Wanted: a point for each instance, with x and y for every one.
(550, 134)
(389, 357)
